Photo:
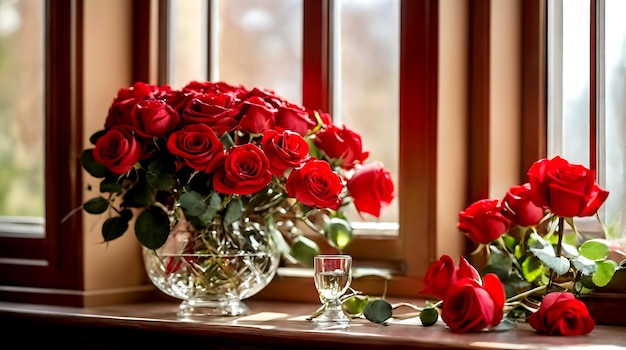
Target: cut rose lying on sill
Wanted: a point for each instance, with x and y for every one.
(534, 272)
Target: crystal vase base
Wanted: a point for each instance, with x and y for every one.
(202, 306)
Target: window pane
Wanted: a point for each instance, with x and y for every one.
(615, 111)
(260, 44)
(368, 101)
(188, 42)
(21, 108)
(575, 104)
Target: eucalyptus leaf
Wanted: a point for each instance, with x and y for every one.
(192, 203)
(233, 211)
(585, 266)
(215, 201)
(604, 272)
(114, 227)
(545, 252)
(378, 311)
(594, 249)
(97, 205)
(355, 304)
(152, 227)
(94, 168)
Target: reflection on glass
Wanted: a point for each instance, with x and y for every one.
(615, 113)
(260, 44)
(369, 51)
(21, 108)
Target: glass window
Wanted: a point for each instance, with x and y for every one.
(188, 41)
(259, 44)
(21, 114)
(367, 83)
(570, 92)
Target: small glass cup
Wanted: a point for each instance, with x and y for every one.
(333, 274)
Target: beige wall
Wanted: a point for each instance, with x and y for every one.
(117, 266)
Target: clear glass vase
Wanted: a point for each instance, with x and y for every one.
(213, 269)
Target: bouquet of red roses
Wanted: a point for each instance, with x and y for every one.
(214, 149)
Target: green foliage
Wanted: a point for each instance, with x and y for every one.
(339, 232)
(378, 311)
(152, 227)
(94, 168)
(303, 249)
(114, 227)
(97, 205)
(429, 316)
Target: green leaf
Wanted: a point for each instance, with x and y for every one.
(233, 211)
(355, 304)
(192, 203)
(338, 232)
(594, 249)
(604, 272)
(303, 249)
(501, 271)
(378, 311)
(545, 252)
(96, 135)
(152, 227)
(429, 316)
(160, 174)
(97, 205)
(215, 201)
(94, 168)
(114, 227)
(585, 266)
(138, 196)
(110, 185)
(532, 268)
(227, 140)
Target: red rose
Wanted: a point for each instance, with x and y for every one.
(284, 150)
(246, 170)
(295, 118)
(442, 274)
(560, 313)
(217, 111)
(483, 222)
(472, 307)
(122, 105)
(371, 187)
(315, 185)
(518, 208)
(257, 116)
(154, 118)
(198, 146)
(118, 149)
(343, 144)
(565, 189)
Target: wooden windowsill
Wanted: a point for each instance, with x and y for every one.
(270, 325)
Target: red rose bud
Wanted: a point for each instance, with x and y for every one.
(286, 150)
(246, 170)
(295, 118)
(560, 313)
(118, 149)
(567, 190)
(518, 208)
(122, 105)
(372, 188)
(483, 222)
(258, 116)
(343, 144)
(154, 118)
(470, 306)
(217, 111)
(442, 274)
(198, 147)
(315, 185)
